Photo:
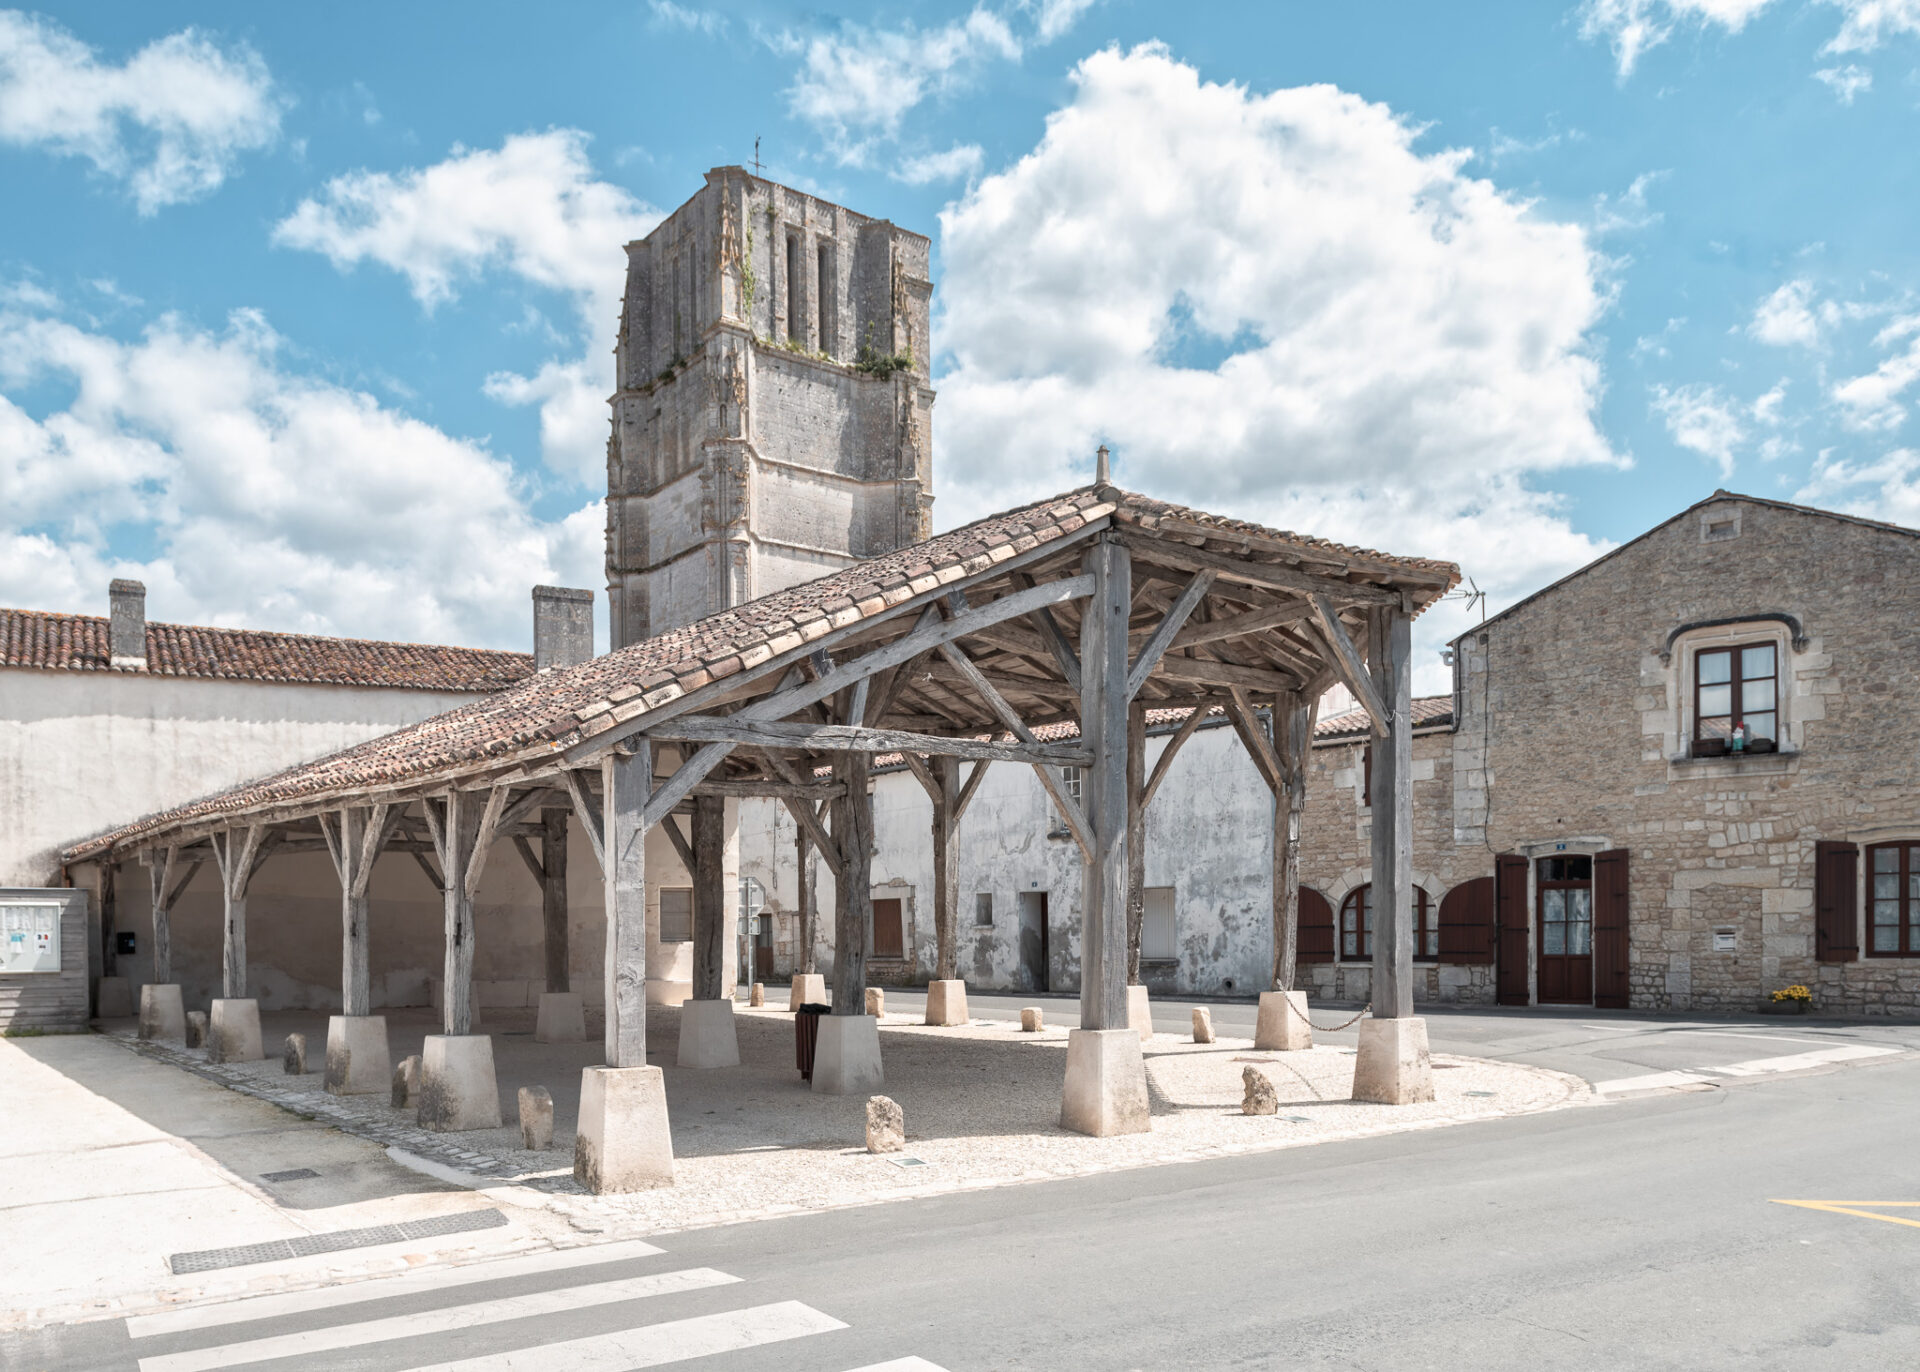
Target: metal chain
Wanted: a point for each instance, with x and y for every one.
(1330, 1029)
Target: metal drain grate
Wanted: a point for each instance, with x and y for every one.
(292, 1174)
(307, 1245)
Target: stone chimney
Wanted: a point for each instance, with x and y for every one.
(127, 634)
(562, 627)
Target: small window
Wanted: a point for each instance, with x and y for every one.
(1156, 926)
(1073, 777)
(796, 294)
(1893, 900)
(1736, 693)
(983, 909)
(826, 296)
(1356, 927)
(889, 939)
(676, 914)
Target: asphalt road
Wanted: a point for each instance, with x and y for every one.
(1643, 1233)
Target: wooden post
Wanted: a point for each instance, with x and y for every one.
(553, 898)
(159, 880)
(457, 853)
(1136, 835)
(709, 896)
(235, 851)
(109, 915)
(356, 958)
(1293, 737)
(809, 903)
(1390, 633)
(1103, 724)
(852, 887)
(946, 868)
(629, 782)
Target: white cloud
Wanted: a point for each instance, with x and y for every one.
(269, 498)
(1888, 489)
(1873, 401)
(1627, 212)
(1866, 24)
(1787, 317)
(533, 208)
(1057, 16)
(961, 160)
(171, 123)
(1767, 408)
(668, 15)
(1633, 27)
(1846, 82)
(1271, 303)
(1701, 419)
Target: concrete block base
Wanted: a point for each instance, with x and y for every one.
(562, 1018)
(947, 1002)
(358, 1061)
(809, 988)
(1140, 1012)
(1106, 1087)
(707, 1037)
(1282, 1026)
(162, 1013)
(457, 1087)
(1393, 1066)
(114, 995)
(622, 1142)
(847, 1060)
(233, 1031)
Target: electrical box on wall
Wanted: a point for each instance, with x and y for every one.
(124, 943)
(29, 936)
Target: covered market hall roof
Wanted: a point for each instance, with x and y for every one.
(1254, 603)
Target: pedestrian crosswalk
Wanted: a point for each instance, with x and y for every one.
(483, 1317)
(1696, 1077)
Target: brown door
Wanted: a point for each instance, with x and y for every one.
(888, 939)
(1610, 911)
(1510, 910)
(763, 946)
(1565, 918)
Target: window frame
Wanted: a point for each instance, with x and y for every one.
(1907, 899)
(665, 891)
(1426, 925)
(1173, 924)
(1736, 687)
(983, 905)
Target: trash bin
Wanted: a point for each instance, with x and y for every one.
(806, 1037)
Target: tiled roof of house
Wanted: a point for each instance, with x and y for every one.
(79, 643)
(573, 705)
(1429, 712)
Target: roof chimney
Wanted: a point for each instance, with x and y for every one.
(562, 627)
(127, 631)
(1101, 468)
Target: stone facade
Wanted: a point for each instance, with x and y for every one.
(774, 415)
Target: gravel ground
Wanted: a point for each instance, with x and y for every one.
(982, 1105)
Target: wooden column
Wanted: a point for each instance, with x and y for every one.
(460, 843)
(109, 915)
(234, 850)
(709, 896)
(629, 781)
(1103, 724)
(354, 839)
(853, 885)
(1293, 739)
(946, 867)
(553, 898)
(1389, 659)
(160, 881)
(809, 903)
(1136, 835)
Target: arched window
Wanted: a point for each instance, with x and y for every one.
(1356, 927)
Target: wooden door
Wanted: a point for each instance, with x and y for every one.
(889, 939)
(1564, 913)
(1510, 909)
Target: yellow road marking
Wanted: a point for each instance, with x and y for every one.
(1847, 1208)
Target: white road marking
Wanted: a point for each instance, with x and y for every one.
(1651, 1081)
(381, 1288)
(1794, 1062)
(436, 1321)
(903, 1365)
(653, 1345)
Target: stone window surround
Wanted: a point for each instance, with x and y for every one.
(1353, 878)
(900, 889)
(1864, 839)
(1671, 672)
(1573, 845)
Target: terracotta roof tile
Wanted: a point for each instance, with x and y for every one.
(1429, 712)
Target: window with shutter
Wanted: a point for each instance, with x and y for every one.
(1467, 928)
(1610, 936)
(1315, 937)
(889, 939)
(1156, 926)
(676, 914)
(1836, 918)
(1510, 872)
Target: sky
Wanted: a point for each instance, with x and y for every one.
(307, 312)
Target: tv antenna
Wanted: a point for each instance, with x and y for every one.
(756, 155)
(1470, 595)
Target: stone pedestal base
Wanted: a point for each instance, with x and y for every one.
(1140, 1012)
(947, 1002)
(457, 1086)
(358, 1062)
(621, 1142)
(847, 1060)
(809, 988)
(707, 1037)
(233, 1031)
(115, 997)
(562, 1018)
(1282, 1026)
(1106, 1088)
(1393, 1067)
(162, 1014)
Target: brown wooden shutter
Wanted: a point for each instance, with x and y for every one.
(1315, 942)
(1467, 928)
(1510, 905)
(1610, 919)
(888, 938)
(1836, 914)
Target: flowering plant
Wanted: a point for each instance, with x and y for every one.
(1799, 993)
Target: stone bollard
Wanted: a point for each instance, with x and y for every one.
(886, 1125)
(757, 997)
(406, 1080)
(1261, 1098)
(1031, 1020)
(876, 1002)
(196, 1028)
(1202, 1024)
(293, 1060)
(536, 1118)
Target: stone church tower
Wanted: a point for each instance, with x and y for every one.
(773, 420)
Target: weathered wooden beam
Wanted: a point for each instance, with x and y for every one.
(1391, 636)
(1164, 763)
(555, 935)
(1227, 674)
(709, 896)
(1103, 705)
(1056, 643)
(1353, 670)
(535, 867)
(975, 775)
(1170, 624)
(853, 891)
(1254, 739)
(628, 780)
(682, 849)
(1252, 622)
(588, 808)
(1268, 575)
(847, 738)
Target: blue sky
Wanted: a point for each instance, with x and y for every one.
(306, 312)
